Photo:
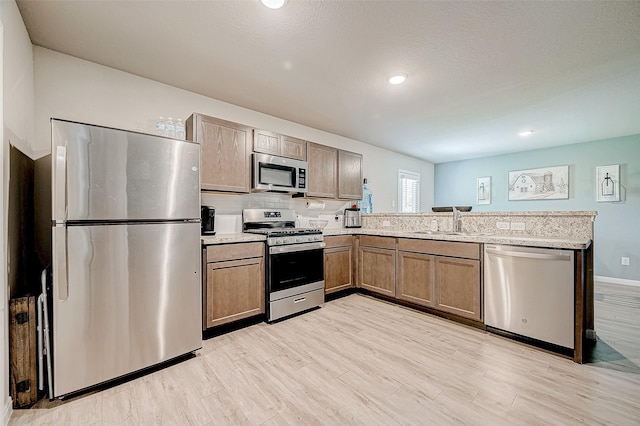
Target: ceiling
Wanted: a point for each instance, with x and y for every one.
(478, 72)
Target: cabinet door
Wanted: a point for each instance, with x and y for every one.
(322, 175)
(349, 175)
(338, 273)
(266, 142)
(416, 278)
(293, 148)
(377, 270)
(225, 163)
(235, 290)
(458, 287)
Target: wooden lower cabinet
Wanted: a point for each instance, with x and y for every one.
(377, 264)
(338, 263)
(234, 283)
(416, 278)
(458, 287)
(444, 275)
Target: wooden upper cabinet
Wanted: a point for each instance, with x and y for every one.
(349, 175)
(281, 145)
(322, 176)
(293, 148)
(225, 162)
(266, 142)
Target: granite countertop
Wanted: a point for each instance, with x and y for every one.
(547, 242)
(231, 238)
(530, 241)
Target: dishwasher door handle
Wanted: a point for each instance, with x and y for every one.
(528, 255)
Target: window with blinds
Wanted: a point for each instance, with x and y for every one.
(408, 192)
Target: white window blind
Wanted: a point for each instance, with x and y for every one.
(408, 192)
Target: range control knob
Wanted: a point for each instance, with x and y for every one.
(279, 240)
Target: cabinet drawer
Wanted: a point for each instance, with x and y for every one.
(442, 248)
(338, 241)
(295, 304)
(223, 252)
(381, 242)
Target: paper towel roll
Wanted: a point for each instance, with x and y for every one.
(315, 205)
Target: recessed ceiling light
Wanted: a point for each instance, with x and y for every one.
(526, 133)
(398, 78)
(273, 4)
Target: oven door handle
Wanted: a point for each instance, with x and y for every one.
(290, 248)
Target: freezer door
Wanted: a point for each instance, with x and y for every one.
(132, 299)
(102, 174)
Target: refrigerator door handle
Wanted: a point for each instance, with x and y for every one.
(60, 278)
(60, 196)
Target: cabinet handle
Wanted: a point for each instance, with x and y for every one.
(302, 299)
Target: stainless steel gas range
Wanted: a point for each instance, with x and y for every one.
(294, 264)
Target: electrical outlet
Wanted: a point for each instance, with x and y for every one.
(434, 225)
(386, 223)
(503, 225)
(624, 261)
(517, 226)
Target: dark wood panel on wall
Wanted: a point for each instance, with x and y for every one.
(21, 269)
(42, 211)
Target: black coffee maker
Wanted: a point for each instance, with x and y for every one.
(207, 216)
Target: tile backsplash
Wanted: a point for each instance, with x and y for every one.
(229, 208)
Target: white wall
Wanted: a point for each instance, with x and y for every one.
(73, 89)
(16, 128)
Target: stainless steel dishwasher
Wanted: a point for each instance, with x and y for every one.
(529, 291)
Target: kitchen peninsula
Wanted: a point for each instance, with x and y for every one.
(392, 253)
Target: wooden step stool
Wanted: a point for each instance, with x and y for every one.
(22, 351)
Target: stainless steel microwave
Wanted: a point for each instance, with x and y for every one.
(272, 173)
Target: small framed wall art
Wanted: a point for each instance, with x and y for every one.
(608, 183)
(483, 189)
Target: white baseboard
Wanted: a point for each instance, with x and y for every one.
(613, 280)
(6, 412)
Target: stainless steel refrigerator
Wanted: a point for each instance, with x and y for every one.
(125, 244)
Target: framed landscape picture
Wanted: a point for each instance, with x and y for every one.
(545, 183)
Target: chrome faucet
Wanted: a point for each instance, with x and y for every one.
(457, 220)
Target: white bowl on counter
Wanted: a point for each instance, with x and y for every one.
(318, 223)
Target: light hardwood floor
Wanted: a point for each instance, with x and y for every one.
(359, 360)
